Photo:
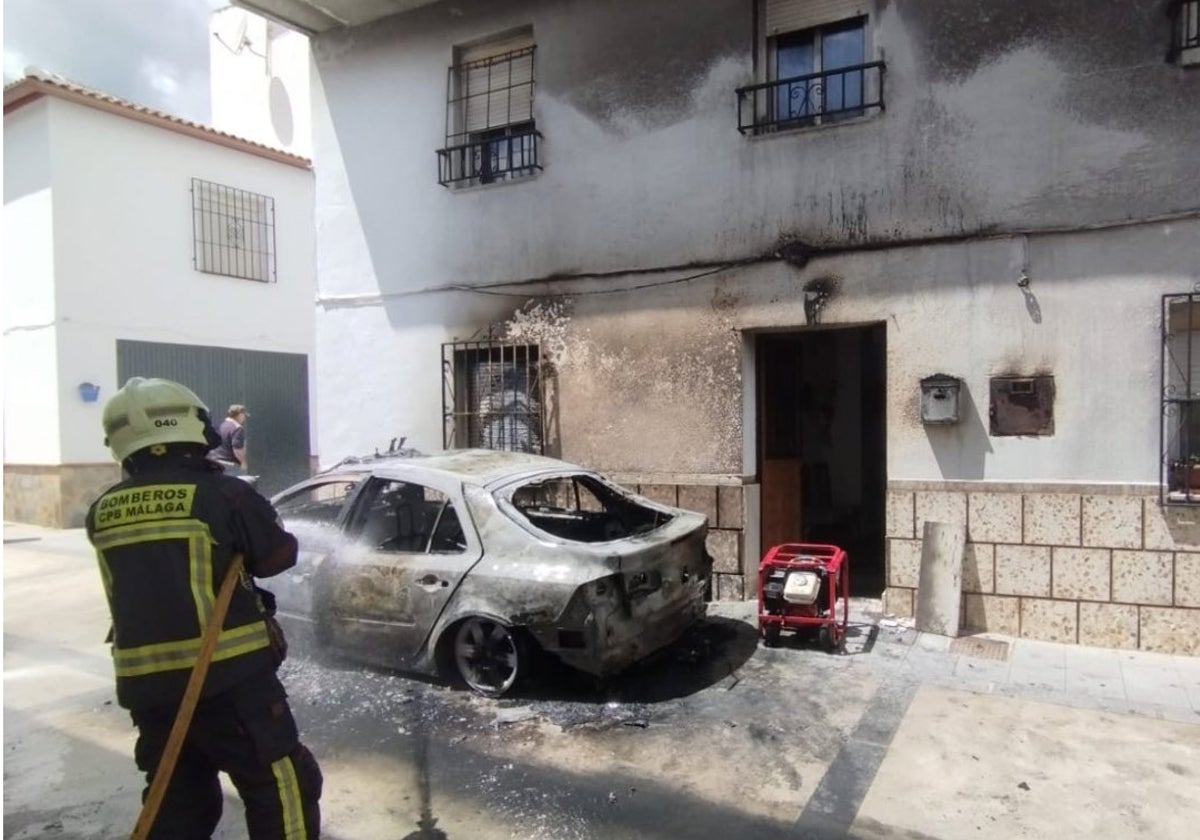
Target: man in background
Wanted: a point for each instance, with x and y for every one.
(231, 452)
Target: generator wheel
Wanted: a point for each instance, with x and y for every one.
(771, 635)
(828, 639)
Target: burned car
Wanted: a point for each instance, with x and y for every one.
(465, 563)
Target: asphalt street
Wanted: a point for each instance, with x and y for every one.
(902, 737)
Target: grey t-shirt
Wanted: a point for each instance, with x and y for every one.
(233, 436)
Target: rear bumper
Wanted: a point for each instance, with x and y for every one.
(617, 639)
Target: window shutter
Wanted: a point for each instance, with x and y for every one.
(792, 15)
(497, 93)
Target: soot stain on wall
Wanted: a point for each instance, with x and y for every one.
(644, 59)
(1114, 52)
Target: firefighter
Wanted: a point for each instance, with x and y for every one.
(164, 538)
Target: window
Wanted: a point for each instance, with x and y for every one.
(490, 131)
(1179, 461)
(492, 396)
(318, 503)
(408, 518)
(1185, 32)
(814, 60)
(233, 232)
(583, 508)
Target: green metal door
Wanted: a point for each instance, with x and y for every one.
(273, 386)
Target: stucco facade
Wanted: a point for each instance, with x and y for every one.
(1017, 208)
(99, 248)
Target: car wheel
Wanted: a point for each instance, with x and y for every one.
(489, 656)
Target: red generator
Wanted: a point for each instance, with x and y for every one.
(799, 586)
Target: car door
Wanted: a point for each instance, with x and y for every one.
(314, 512)
(410, 542)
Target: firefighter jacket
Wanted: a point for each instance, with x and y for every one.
(164, 540)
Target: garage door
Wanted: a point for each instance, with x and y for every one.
(274, 386)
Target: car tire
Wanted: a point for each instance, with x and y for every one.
(489, 656)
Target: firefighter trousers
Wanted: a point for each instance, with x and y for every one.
(248, 733)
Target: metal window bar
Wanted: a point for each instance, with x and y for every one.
(493, 156)
(492, 396)
(1185, 26)
(1179, 436)
(811, 99)
(500, 146)
(233, 232)
(460, 96)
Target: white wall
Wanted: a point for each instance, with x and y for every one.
(1008, 123)
(123, 255)
(259, 80)
(30, 316)
(999, 117)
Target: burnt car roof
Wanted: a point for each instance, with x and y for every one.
(484, 467)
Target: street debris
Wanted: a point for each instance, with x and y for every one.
(516, 714)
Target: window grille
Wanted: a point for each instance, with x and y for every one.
(233, 232)
(492, 396)
(816, 75)
(490, 130)
(1179, 442)
(1185, 32)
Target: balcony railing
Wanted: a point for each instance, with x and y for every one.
(488, 157)
(811, 99)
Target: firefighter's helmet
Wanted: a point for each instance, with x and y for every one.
(149, 412)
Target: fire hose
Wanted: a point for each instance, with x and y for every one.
(187, 706)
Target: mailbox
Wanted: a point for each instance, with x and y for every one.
(939, 399)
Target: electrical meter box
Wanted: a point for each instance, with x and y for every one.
(939, 399)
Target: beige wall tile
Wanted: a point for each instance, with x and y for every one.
(1112, 521)
(1170, 630)
(1142, 577)
(729, 588)
(994, 517)
(904, 563)
(1051, 621)
(1170, 528)
(900, 515)
(992, 613)
(1187, 579)
(979, 566)
(701, 499)
(939, 506)
(1081, 573)
(898, 602)
(661, 493)
(1108, 625)
(1023, 570)
(725, 548)
(729, 506)
(1051, 519)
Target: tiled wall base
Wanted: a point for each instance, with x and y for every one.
(724, 506)
(54, 496)
(1110, 568)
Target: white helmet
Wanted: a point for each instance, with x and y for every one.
(146, 412)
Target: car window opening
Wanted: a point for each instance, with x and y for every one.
(408, 518)
(584, 509)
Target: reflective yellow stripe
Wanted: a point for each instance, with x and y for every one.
(199, 541)
(105, 575)
(200, 572)
(291, 804)
(173, 656)
(148, 532)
